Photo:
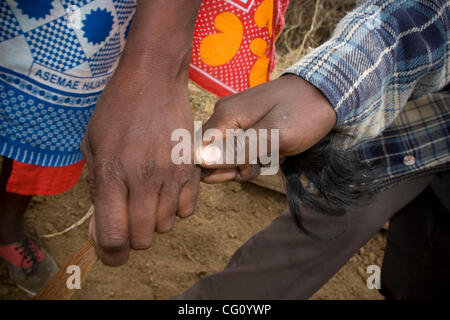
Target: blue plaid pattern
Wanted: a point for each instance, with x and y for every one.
(382, 71)
(417, 141)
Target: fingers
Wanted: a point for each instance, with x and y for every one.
(248, 172)
(220, 175)
(225, 134)
(242, 110)
(129, 219)
(241, 173)
(142, 207)
(111, 221)
(168, 204)
(236, 148)
(133, 202)
(188, 195)
(109, 225)
(229, 140)
(247, 151)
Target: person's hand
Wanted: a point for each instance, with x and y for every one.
(136, 188)
(292, 105)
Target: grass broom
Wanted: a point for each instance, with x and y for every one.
(56, 288)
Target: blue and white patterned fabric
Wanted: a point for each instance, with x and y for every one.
(382, 71)
(56, 57)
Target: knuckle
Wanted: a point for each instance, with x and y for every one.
(147, 170)
(109, 171)
(223, 108)
(141, 172)
(149, 175)
(220, 104)
(182, 174)
(227, 113)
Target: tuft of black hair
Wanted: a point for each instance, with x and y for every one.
(335, 181)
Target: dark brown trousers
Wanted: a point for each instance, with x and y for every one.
(282, 262)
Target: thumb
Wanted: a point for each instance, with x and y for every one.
(229, 148)
(229, 139)
(239, 148)
(212, 151)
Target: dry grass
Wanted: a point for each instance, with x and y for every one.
(309, 23)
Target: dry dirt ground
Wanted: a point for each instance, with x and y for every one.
(226, 215)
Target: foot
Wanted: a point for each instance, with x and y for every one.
(29, 266)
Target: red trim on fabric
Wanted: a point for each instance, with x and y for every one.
(29, 179)
(208, 84)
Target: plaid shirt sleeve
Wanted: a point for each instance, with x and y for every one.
(381, 55)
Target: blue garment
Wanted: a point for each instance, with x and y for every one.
(382, 71)
(56, 57)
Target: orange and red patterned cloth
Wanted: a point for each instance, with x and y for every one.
(233, 50)
(234, 43)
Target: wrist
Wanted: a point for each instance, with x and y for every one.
(168, 65)
(313, 95)
(160, 39)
